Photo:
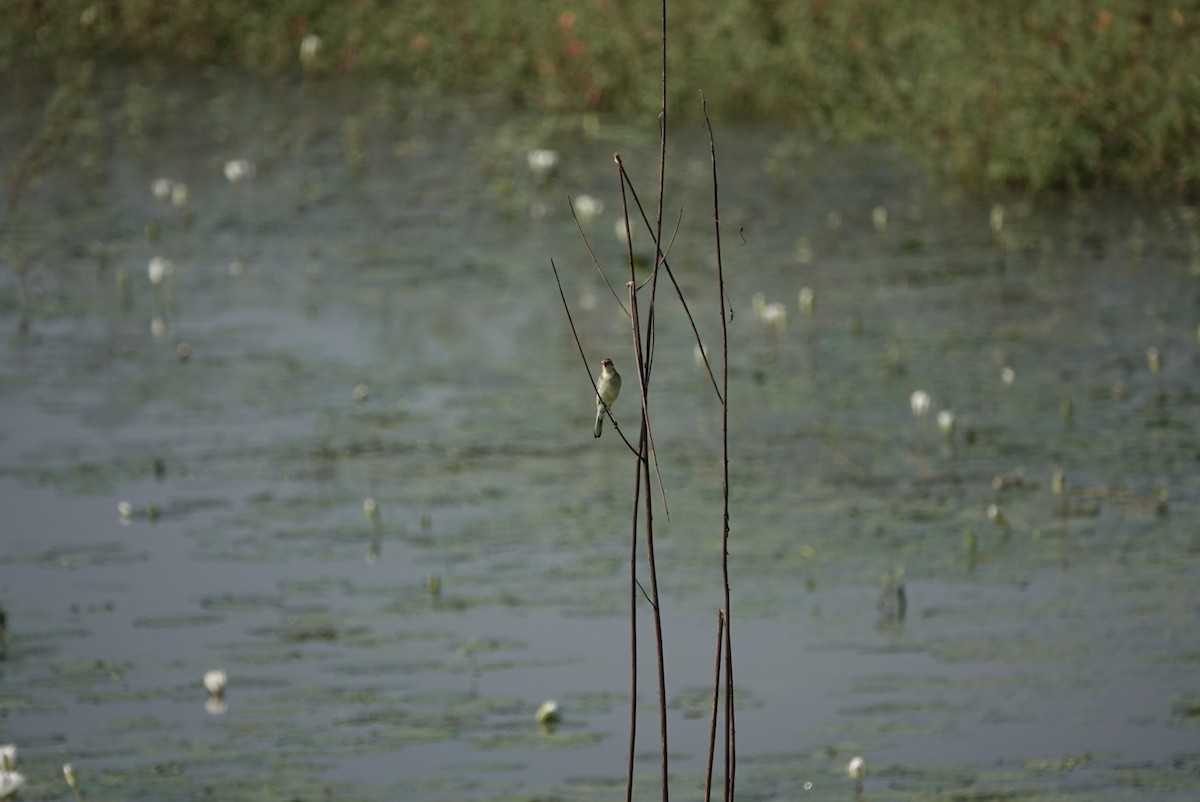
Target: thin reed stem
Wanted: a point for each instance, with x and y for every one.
(658, 260)
(634, 587)
(730, 728)
(648, 513)
(595, 261)
(730, 753)
(712, 732)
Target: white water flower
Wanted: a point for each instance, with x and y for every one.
(159, 269)
(8, 757)
(238, 170)
(360, 393)
(920, 402)
(69, 776)
(548, 713)
(808, 300)
(1008, 375)
(879, 218)
(543, 162)
(996, 515)
(10, 783)
(1154, 360)
(996, 219)
(371, 509)
(945, 422)
(310, 46)
(588, 208)
(159, 327)
(804, 251)
(773, 314)
(179, 195)
(161, 189)
(857, 770)
(1058, 482)
(215, 682)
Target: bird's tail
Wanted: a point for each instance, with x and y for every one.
(599, 420)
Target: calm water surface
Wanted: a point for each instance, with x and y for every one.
(402, 244)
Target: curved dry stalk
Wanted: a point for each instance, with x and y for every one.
(678, 290)
(674, 234)
(579, 346)
(595, 261)
(643, 368)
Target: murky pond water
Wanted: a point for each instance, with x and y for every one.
(372, 315)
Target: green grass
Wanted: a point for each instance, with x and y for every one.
(1028, 94)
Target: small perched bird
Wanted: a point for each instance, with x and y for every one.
(608, 387)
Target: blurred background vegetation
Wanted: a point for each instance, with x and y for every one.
(1032, 95)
